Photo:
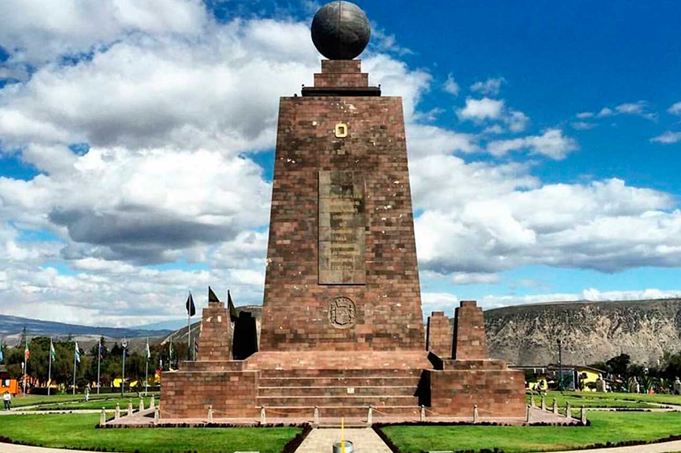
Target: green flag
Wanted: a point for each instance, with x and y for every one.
(76, 352)
(147, 351)
(53, 353)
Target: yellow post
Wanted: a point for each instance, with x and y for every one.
(342, 435)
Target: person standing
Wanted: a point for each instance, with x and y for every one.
(7, 398)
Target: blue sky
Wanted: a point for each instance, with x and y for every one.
(136, 148)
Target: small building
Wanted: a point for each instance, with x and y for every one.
(574, 377)
(6, 383)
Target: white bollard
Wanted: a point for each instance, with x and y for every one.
(543, 403)
(157, 415)
(129, 408)
(102, 417)
(582, 414)
(117, 412)
(370, 416)
(152, 402)
(568, 410)
(210, 414)
(527, 415)
(422, 415)
(141, 404)
(263, 416)
(555, 406)
(475, 414)
(315, 416)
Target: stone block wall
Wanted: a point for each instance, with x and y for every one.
(496, 390)
(215, 339)
(383, 310)
(188, 394)
(470, 340)
(439, 335)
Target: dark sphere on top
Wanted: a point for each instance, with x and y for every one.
(340, 30)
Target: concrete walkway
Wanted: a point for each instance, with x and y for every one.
(662, 447)
(364, 440)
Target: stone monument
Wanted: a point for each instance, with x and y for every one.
(342, 326)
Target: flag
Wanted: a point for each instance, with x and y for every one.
(53, 353)
(211, 296)
(147, 352)
(27, 353)
(76, 353)
(233, 312)
(100, 351)
(2, 353)
(191, 309)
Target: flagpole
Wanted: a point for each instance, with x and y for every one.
(189, 335)
(49, 370)
(146, 369)
(99, 362)
(75, 346)
(25, 359)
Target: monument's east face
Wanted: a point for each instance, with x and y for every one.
(342, 271)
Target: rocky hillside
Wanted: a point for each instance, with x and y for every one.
(591, 331)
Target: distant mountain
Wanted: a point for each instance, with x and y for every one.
(590, 331)
(11, 328)
(173, 324)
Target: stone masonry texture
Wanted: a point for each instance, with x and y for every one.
(388, 306)
(439, 335)
(470, 340)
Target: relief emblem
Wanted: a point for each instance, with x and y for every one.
(342, 312)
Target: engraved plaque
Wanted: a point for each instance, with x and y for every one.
(341, 228)
(342, 313)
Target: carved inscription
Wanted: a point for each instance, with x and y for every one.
(341, 228)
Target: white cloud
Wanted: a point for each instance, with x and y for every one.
(667, 138)
(605, 225)
(481, 109)
(487, 109)
(675, 109)
(639, 108)
(450, 86)
(552, 143)
(489, 87)
(36, 32)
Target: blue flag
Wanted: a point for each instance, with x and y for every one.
(2, 353)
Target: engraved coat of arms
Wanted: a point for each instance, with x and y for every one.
(342, 312)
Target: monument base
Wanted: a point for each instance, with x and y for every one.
(313, 385)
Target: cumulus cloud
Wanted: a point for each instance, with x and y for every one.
(675, 109)
(489, 87)
(36, 32)
(481, 109)
(487, 109)
(605, 225)
(450, 86)
(552, 144)
(667, 138)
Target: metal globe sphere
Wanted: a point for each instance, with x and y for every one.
(340, 30)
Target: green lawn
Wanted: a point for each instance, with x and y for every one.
(78, 431)
(97, 403)
(605, 427)
(589, 400)
(31, 400)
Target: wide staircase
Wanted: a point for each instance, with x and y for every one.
(336, 393)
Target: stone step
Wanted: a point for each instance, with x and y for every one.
(327, 390)
(333, 372)
(357, 381)
(332, 414)
(337, 400)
